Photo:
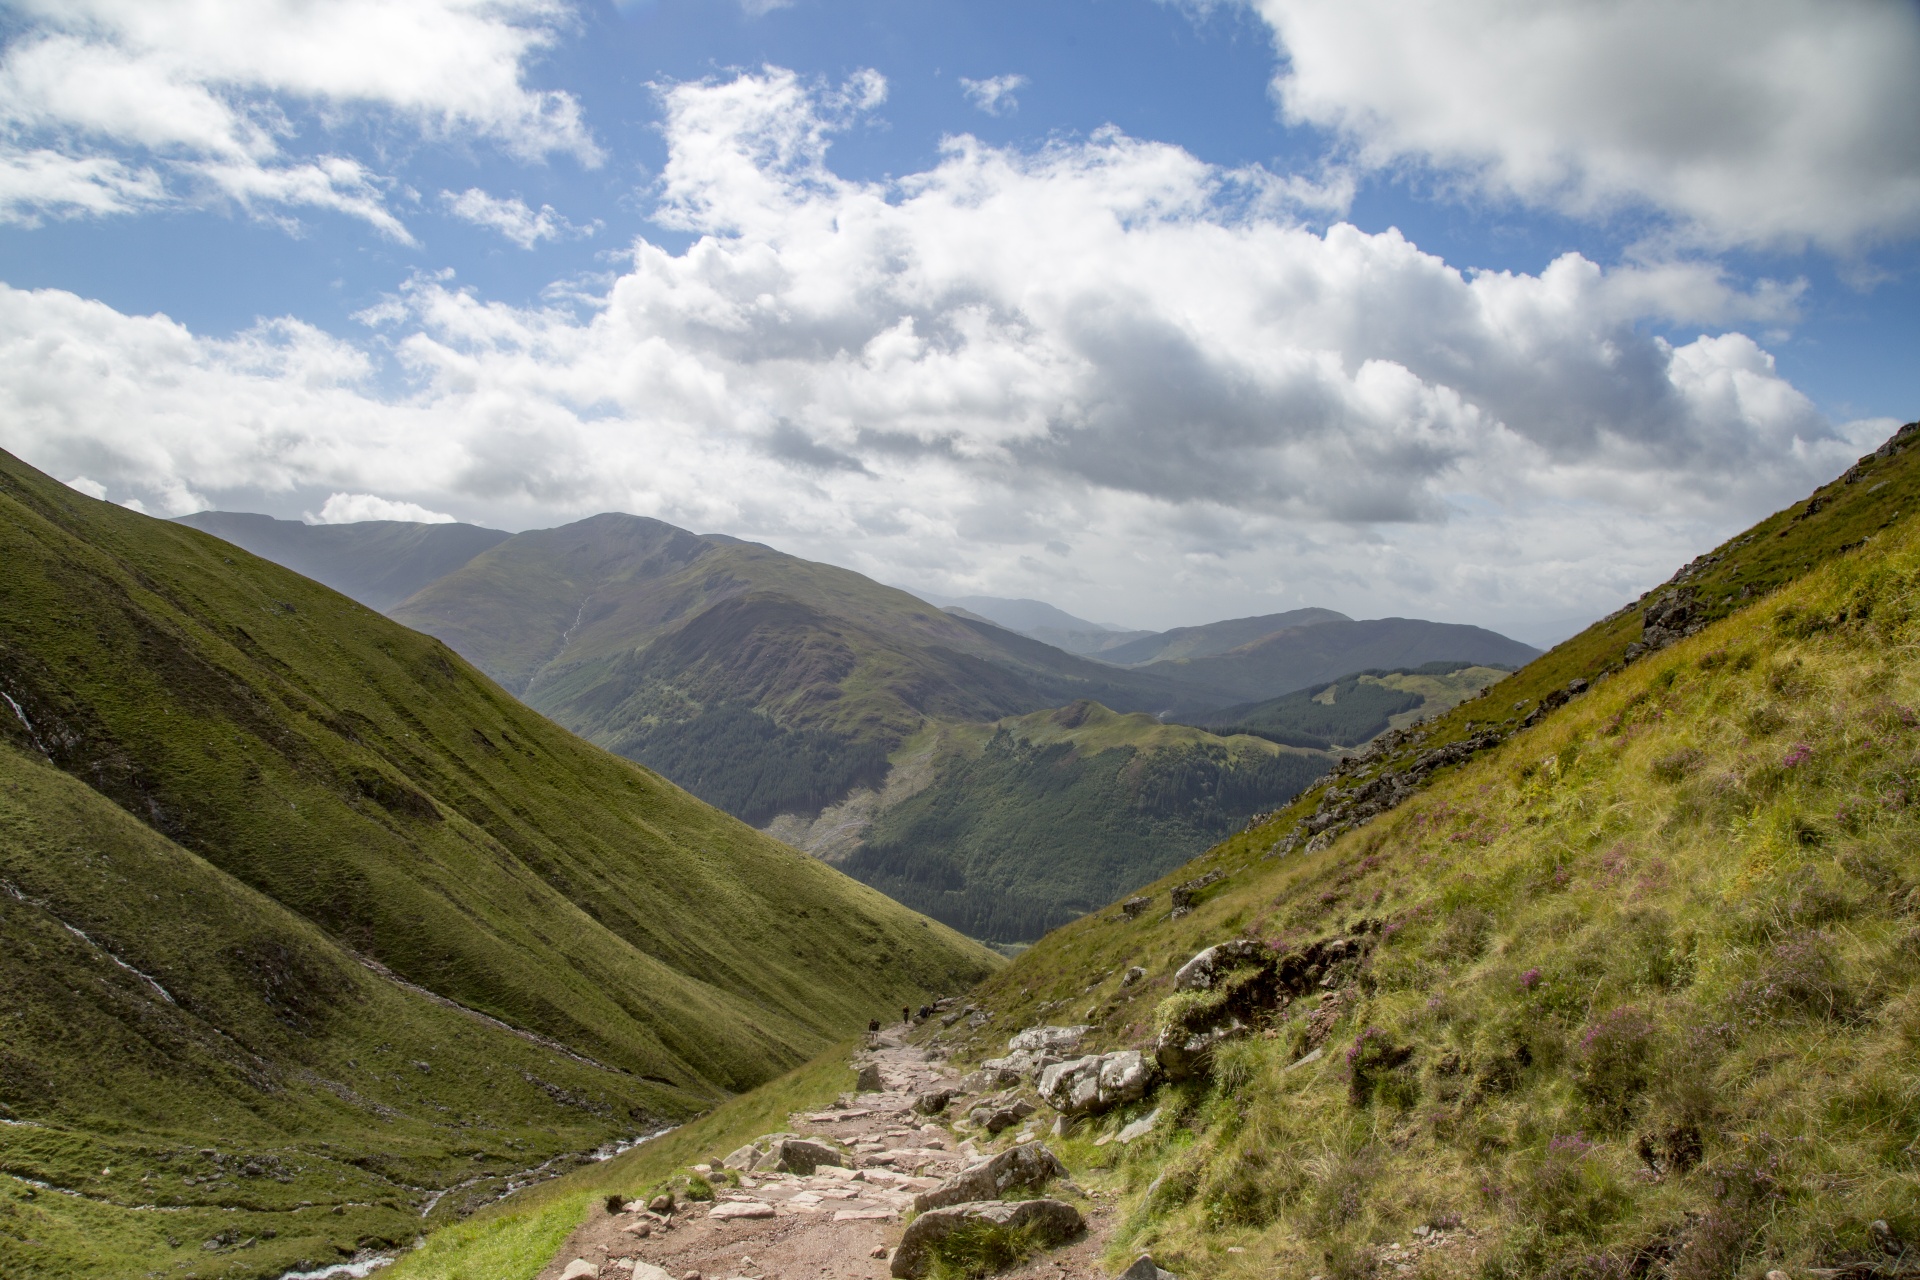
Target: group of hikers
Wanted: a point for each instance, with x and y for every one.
(907, 1018)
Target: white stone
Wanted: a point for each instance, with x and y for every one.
(1139, 1128)
(741, 1209)
(580, 1269)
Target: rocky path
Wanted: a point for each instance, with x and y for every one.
(834, 1222)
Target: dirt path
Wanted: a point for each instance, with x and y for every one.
(833, 1223)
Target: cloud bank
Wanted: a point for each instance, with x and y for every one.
(1766, 123)
(122, 106)
(1102, 372)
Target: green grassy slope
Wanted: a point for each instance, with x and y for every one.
(368, 779)
(377, 562)
(183, 1060)
(1639, 992)
(1008, 829)
(763, 682)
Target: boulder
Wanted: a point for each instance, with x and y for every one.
(798, 1155)
(868, 1080)
(647, 1271)
(1055, 1040)
(732, 1209)
(580, 1269)
(743, 1158)
(1029, 1165)
(1182, 1054)
(1145, 1268)
(1206, 969)
(934, 1101)
(662, 1203)
(1021, 1064)
(996, 1114)
(1047, 1222)
(1097, 1082)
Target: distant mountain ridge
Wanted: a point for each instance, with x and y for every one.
(1213, 637)
(799, 696)
(377, 562)
(765, 682)
(1040, 620)
(1301, 656)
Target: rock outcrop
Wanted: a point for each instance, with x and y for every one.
(1047, 1222)
(1225, 989)
(1097, 1082)
(1029, 1166)
(995, 1114)
(1029, 1053)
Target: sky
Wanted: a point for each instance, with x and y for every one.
(1162, 311)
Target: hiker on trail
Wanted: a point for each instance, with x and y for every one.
(873, 1025)
(906, 1014)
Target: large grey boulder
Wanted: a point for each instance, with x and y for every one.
(1207, 968)
(1049, 1222)
(758, 1154)
(868, 1080)
(1145, 1268)
(995, 1114)
(1097, 1082)
(1182, 1054)
(1055, 1040)
(798, 1155)
(1028, 1165)
(1021, 1064)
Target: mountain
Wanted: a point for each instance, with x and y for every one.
(1355, 708)
(764, 683)
(1025, 616)
(1609, 972)
(313, 930)
(1042, 621)
(1006, 830)
(1313, 653)
(1214, 637)
(377, 562)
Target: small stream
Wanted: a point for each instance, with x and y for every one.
(367, 1262)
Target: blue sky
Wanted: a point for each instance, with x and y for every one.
(1160, 311)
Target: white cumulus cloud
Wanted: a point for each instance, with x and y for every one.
(351, 508)
(995, 94)
(512, 217)
(1099, 372)
(1773, 123)
(113, 106)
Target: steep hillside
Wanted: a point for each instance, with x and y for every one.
(1355, 708)
(184, 1061)
(1009, 829)
(1619, 980)
(1214, 637)
(762, 682)
(377, 562)
(321, 792)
